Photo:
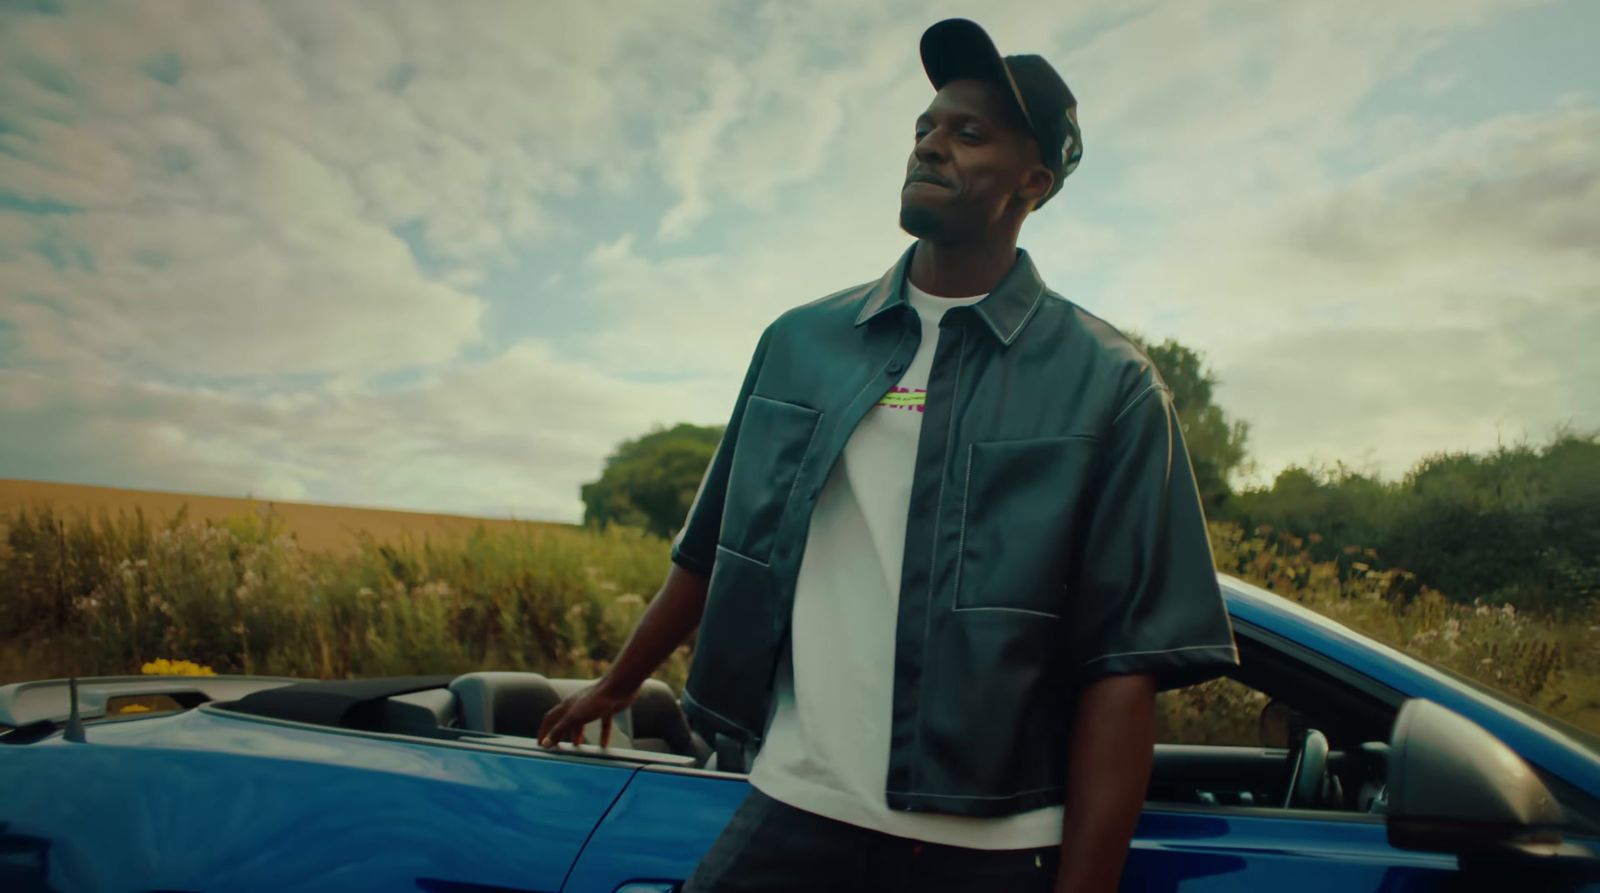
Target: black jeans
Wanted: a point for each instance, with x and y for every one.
(769, 846)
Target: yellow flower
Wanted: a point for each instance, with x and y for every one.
(163, 667)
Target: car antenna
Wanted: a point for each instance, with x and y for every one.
(74, 732)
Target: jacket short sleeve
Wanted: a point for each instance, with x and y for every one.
(1146, 598)
(695, 546)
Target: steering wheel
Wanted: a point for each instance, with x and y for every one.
(1309, 764)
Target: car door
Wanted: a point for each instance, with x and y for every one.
(1219, 818)
(1215, 817)
(657, 830)
(667, 818)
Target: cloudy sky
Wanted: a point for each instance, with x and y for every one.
(444, 256)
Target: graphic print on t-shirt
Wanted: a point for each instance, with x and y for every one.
(905, 398)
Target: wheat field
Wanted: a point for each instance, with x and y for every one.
(314, 526)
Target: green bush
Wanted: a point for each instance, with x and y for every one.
(1538, 660)
(1518, 525)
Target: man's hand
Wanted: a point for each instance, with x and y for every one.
(667, 621)
(598, 700)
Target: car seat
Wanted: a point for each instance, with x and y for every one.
(511, 703)
(657, 723)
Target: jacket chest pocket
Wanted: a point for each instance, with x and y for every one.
(1021, 503)
(774, 438)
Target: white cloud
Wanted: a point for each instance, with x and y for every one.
(517, 434)
(1389, 283)
(1442, 301)
(238, 221)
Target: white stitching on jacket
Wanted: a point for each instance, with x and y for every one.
(1161, 651)
(1015, 610)
(961, 544)
(1038, 298)
(740, 555)
(1136, 398)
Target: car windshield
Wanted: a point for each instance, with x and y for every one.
(1583, 736)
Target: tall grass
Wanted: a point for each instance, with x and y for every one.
(104, 594)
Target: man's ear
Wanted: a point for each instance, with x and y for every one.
(1036, 185)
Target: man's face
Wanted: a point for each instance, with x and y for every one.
(973, 156)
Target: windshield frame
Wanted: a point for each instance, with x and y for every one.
(1586, 739)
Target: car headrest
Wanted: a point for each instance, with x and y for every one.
(505, 703)
(656, 714)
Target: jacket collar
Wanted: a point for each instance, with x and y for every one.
(1006, 309)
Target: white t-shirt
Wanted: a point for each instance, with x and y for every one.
(826, 748)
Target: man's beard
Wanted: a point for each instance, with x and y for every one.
(922, 222)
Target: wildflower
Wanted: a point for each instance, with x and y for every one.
(163, 667)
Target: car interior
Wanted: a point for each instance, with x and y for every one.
(1329, 753)
(1322, 742)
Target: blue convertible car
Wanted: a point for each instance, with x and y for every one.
(1398, 777)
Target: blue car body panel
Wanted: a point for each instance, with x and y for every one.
(212, 799)
(658, 829)
(208, 800)
(666, 820)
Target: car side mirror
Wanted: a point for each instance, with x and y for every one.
(1452, 785)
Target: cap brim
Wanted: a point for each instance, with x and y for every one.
(959, 48)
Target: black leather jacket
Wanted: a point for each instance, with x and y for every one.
(1055, 533)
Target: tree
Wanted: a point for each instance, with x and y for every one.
(650, 481)
(1519, 524)
(1216, 445)
(1338, 507)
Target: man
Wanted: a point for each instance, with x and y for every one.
(947, 552)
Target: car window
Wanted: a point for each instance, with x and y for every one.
(1221, 711)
